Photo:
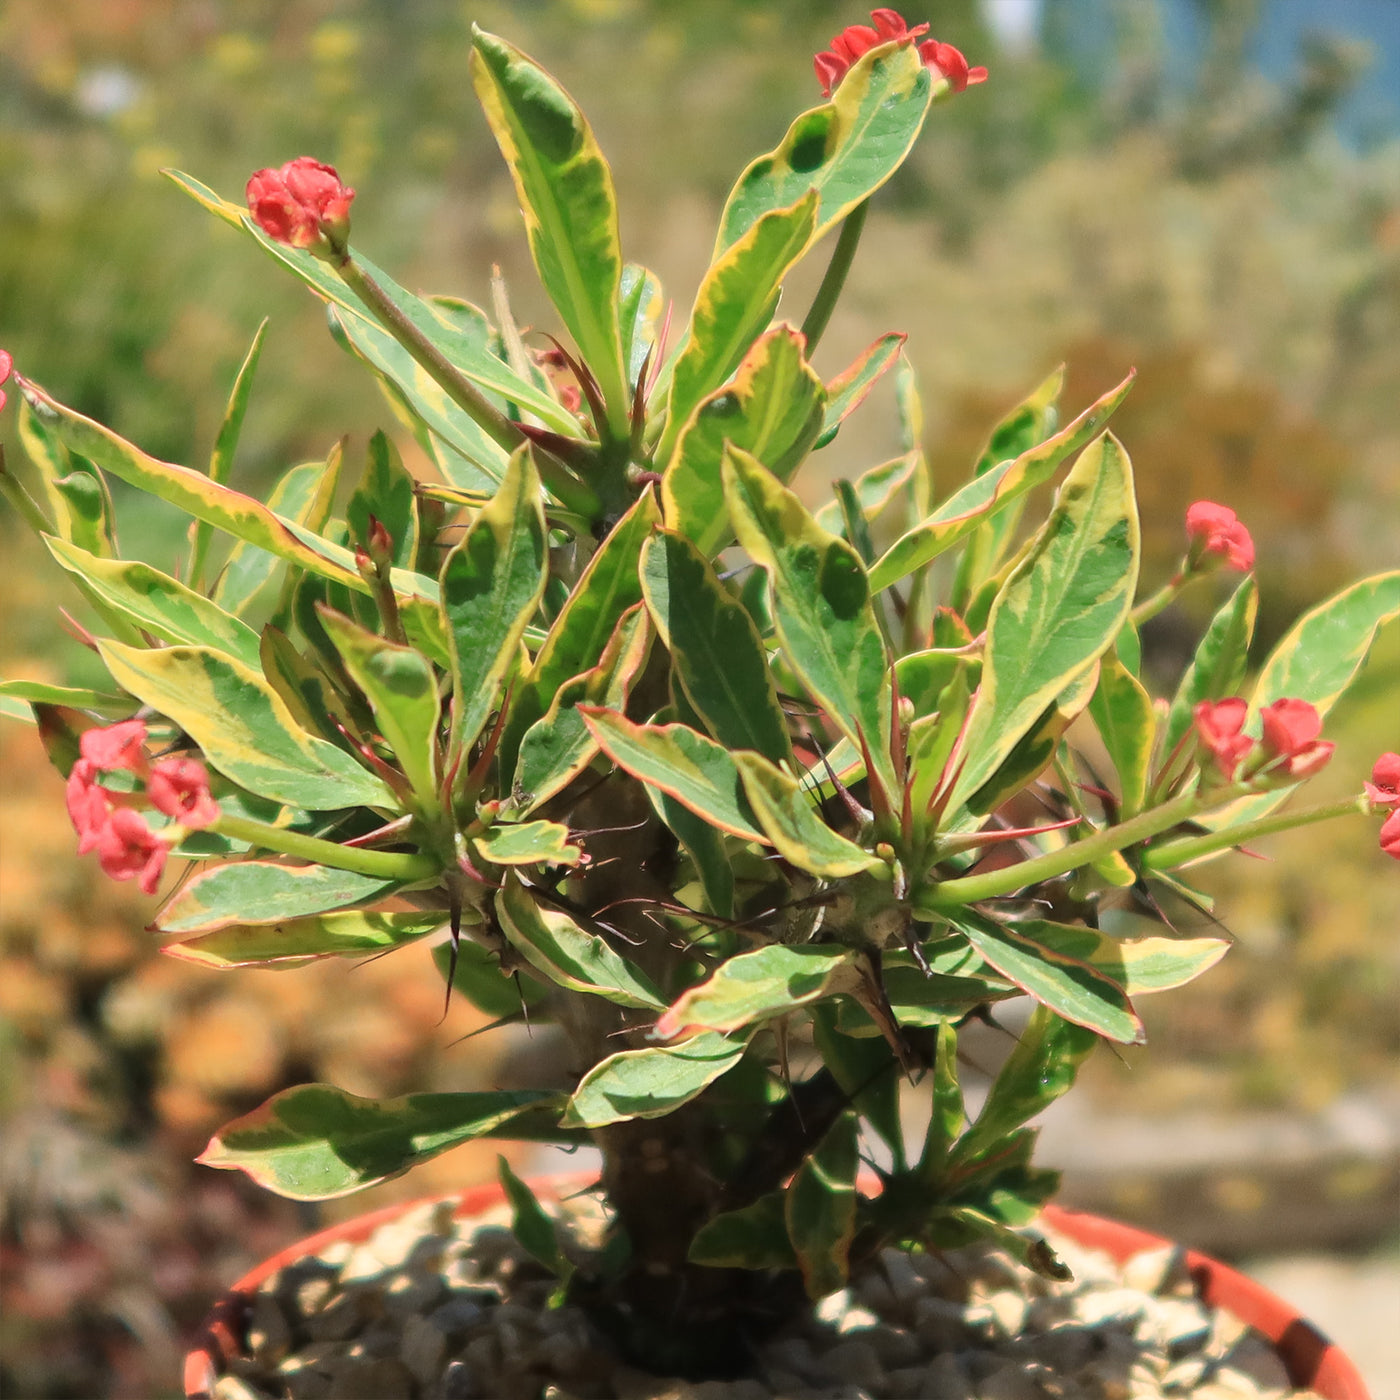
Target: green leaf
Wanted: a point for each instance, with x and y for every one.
(75, 697)
(1074, 988)
(244, 727)
(874, 489)
(401, 687)
(228, 510)
(533, 1229)
(948, 1114)
(680, 762)
(734, 305)
(1058, 612)
(639, 309)
(567, 954)
(821, 605)
(250, 574)
(991, 492)
(752, 1237)
(529, 843)
(845, 149)
(1035, 749)
(848, 390)
(295, 942)
(705, 846)
(715, 647)
(866, 1070)
(263, 892)
(772, 408)
(1039, 1070)
(226, 445)
(1316, 660)
(758, 986)
(1123, 713)
(473, 460)
(652, 1081)
(566, 194)
(1029, 423)
(492, 583)
(316, 1142)
(386, 492)
(559, 746)
(607, 588)
(820, 1207)
(79, 503)
(1218, 667)
(1150, 964)
(787, 814)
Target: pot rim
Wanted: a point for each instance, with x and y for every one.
(1309, 1357)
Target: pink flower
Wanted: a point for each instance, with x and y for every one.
(303, 203)
(129, 850)
(1291, 728)
(834, 63)
(1218, 726)
(1390, 835)
(7, 363)
(945, 59)
(89, 804)
(179, 787)
(1384, 787)
(116, 746)
(1214, 529)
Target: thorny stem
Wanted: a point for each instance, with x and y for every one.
(1188, 848)
(391, 865)
(834, 279)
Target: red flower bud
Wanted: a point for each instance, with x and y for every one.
(129, 850)
(380, 542)
(1384, 787)
(1390, 835)
(179, 787)
(948, 61)
(1214, 529)
(89, 804)
(1218, 725)
(116, 746)
(1291, 728)
(7, 363)
(303, 203)
(857, 39)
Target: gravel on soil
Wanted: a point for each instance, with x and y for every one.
(430, 1308)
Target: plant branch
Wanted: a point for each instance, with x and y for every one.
(1188, 848)
(834, 279)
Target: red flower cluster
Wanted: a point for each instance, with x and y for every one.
(106, 821)
(7, 363)
(302, 203)
(1214, 529)
(1290, 745)
(1384, 791)
(833, 64)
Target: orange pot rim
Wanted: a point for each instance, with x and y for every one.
(1309, 1357)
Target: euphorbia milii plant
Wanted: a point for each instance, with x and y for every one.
(761, 801)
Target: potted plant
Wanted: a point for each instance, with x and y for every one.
(760, 804)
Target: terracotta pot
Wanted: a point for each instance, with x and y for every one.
(1310, 1358)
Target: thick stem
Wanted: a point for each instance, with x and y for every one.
(391, 865)
(834, 279)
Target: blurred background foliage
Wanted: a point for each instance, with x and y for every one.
(1199, 188)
